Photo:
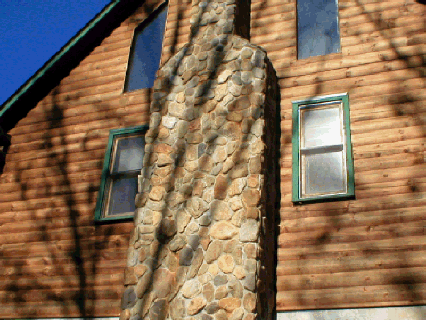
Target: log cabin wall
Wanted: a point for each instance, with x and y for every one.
(55, 262)
(369, 251)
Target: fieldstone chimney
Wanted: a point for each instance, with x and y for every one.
(203, 246)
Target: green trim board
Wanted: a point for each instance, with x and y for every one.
(299, 165)
(107, 176)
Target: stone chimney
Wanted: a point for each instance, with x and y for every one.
(203, 246)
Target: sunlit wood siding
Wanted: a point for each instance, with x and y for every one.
(369, 251)
(54, 261)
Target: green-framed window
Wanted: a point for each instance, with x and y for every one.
(119, 182)
(322, 151)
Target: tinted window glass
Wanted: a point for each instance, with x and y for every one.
(146, 52)
(318, 27)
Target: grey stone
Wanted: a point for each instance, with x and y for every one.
(249, 231)
(159, 310)
(205, 219)
(212, 308)
(185, 256)
(220, 280)
(177, 243)
(129, 298)
(194, 241)
(250, 282)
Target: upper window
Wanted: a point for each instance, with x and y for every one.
(146, 52)
(122, 165)
(317, 28)
(322, 153)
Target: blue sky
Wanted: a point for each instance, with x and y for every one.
(32, 31)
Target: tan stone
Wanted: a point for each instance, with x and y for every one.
(238, 171)
(205, 241)
(253, 181)
(239, 272)
(130, 276)
(156, 218)
(197, 188)
(214, 250)
(196, 263)
(250, 316)
(220, 210)
(219, 154)
(249, 231)
(227, 165)
(196, 305)
(226, 263)
(251, 213)
(125, 314)
(182, 220)
(250, 250)
(205, 163)
(205, 278)
(220, 187)
(163, 282)
(223, 230)
(237, 254)
(172, 262)
(249, 301)
(157, 193)
(142, 255)
(191, 152)
(255, 165)
(237, 186)
(221, 315)
(143, 284)
(163, 133)
(140, 270)
(213, 269)
(164, 159)
(229, 304)
(193, 138)
(238, 218)
(235, 203)
(221, 292)
(191, 288)
(208, 291)
(251, 197)
(237, 314)
(203, 269)
(180, 97)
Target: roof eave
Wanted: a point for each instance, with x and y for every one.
(57, 67)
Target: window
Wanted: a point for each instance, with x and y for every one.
(122, 165)
(146, 52)
(317, 28)
(322, 152)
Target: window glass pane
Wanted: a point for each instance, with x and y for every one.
(145, 57)
(321, 127)
(323, 173)
(129, 154)
(318, 27)
(122, 195)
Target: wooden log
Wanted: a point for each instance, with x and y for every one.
(352, 297)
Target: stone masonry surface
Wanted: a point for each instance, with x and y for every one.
(194, 252)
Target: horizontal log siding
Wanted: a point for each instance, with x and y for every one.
(366, 252)
(54, 262)
(369, 251)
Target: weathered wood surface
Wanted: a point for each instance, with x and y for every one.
(369, 251)
(360, 253)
